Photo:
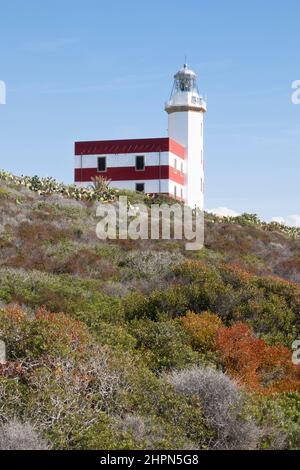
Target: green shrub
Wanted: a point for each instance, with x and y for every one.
(280, 414)
(102, 435)
(151, 396)
(115, 336)
(81, 298)
(234, 295)
(271, 318)
(163, 344)
(4, 193)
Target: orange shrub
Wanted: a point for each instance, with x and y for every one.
(14, 314)
(66, 332)
(202, 329)
(235, 275)
(266, 369)
(44, 334)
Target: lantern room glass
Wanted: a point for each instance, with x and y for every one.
(185, 81)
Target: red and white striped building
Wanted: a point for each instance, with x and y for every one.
(149, 165)
(170, 165)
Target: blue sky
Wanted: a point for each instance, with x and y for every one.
(100, 70)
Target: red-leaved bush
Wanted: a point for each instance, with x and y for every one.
(263, 368)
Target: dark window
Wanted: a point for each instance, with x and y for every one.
(140, 187)
(101, 163)
(140, 162)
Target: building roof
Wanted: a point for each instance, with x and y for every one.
(100, 147)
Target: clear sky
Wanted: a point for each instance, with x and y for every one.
(93, 69)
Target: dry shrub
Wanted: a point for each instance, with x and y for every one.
(289, 268)
(141, 429)
(152, 264)
(86, 262)
(37, 232)
(222, 404)
(15, 435)
(116, 289)
(32, 240)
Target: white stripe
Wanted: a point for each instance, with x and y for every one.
(151, 186)
(128, 160)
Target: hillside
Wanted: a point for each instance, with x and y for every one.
(141, 344)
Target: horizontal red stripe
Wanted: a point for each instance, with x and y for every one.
(100, 147)
(176, 175)
(176, 148)
(130, 173)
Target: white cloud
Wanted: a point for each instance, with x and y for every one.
(290, 220)
(223, 212)
(279, 220)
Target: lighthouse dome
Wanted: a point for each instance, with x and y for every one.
(185, 71)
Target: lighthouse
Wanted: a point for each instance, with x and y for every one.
(171, 165)
(186, 110)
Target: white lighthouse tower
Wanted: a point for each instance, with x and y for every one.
(186, 110)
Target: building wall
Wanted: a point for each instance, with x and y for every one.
(186, 127)
(151, 186)
(128, 160)
(164, 171)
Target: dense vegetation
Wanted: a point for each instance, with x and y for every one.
(130, 344)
